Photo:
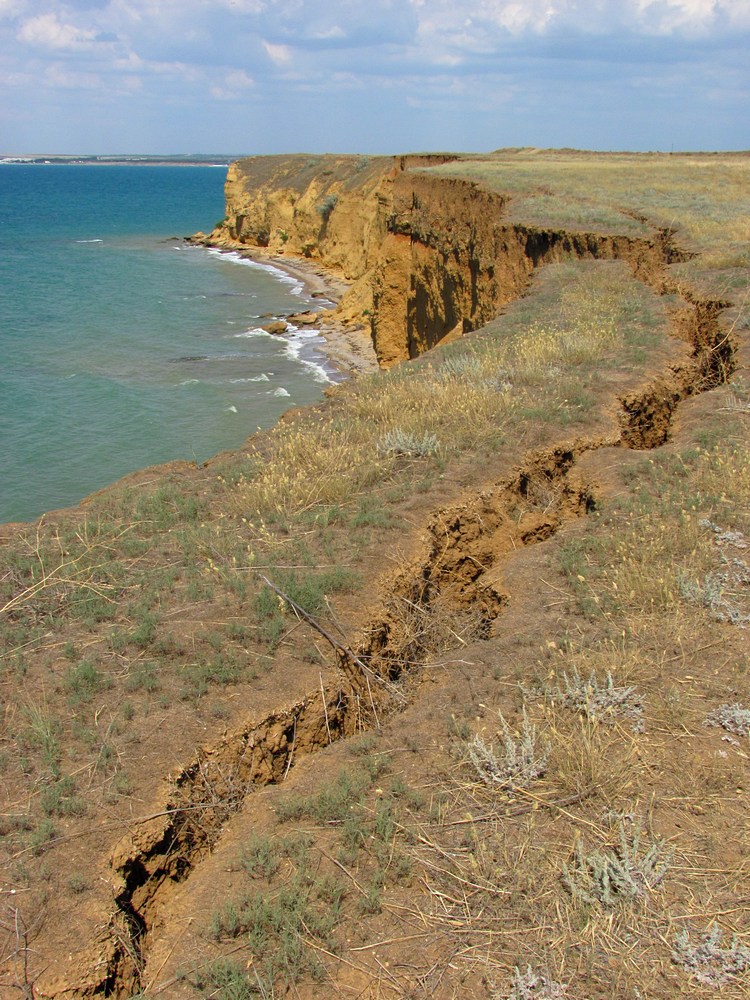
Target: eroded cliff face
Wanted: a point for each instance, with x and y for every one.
(428, 258)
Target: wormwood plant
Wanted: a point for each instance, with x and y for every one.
(600, 700)
(521, 760)
(620, 875)
(532, 985)
(734, 718)
(707, 961)
(401, 442)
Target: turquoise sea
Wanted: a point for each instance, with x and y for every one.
(120, 345)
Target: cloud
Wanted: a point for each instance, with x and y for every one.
(477, 60)
(279, 54)
(234, 86)
(48, 32)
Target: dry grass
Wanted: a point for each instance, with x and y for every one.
(467, 399)
(703, 198)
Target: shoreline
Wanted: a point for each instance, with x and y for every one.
(349, 348)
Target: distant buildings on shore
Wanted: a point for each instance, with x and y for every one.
(191, 159)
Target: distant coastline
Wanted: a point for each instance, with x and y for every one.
(126, 160)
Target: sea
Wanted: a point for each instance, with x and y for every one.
(122, 346)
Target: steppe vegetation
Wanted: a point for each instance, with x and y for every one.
(526, 642)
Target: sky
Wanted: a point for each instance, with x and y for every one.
(372, 76)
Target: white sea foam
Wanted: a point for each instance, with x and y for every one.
(254, 331)
(190, 381)
(297, 341)
(297, 287)
(89, 241)
(256, 378)
(281, 391)
(231, 409)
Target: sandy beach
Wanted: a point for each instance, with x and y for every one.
(350, 348)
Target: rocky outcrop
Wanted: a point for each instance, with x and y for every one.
(427, 257)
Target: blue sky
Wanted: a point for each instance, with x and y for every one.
(372, 76)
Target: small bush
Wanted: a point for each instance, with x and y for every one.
(59, 799)
(734, 718)
(400, 442)
(326, 206)
(622, 874)
(601, 701)
(531, 985)
(706, 961)
(520, 761)
(261, 857)
(228, 980)
(83, 681)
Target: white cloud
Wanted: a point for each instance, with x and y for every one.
(281, 54)
(467, 55)
(12, 8)
(47, 31)
(234, 86)
(61, 77)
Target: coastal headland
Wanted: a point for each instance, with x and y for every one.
(439, 687)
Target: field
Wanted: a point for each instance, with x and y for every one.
(440, 688)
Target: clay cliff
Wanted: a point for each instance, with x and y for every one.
(427, 257)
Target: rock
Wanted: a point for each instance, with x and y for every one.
(305, 319)
(279, 326)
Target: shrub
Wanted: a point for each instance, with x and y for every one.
(399, 442)
(706, 961)
(520, 761)
(326, 206)
(734, 718)
(531, 985)
(601, 701)
(622, 874)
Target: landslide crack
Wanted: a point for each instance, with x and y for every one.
(451, 594)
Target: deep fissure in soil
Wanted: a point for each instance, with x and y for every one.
(459, 574)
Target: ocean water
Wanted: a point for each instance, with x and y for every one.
(120, 345)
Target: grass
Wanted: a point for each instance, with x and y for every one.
(703, 198)
(299, 899)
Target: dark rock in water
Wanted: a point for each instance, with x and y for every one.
(190, 357)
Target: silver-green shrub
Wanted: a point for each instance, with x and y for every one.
(513, 762)
(601, 700)
(707, 961)
(400, 442)
(622, 874)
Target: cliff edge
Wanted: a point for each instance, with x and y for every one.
(427, 256)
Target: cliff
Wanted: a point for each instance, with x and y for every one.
(427, 257)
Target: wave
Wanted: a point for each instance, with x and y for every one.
(296, 286)
(89, 241)
(256, 331)
(298, 342)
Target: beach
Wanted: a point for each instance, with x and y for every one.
(348, 347)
